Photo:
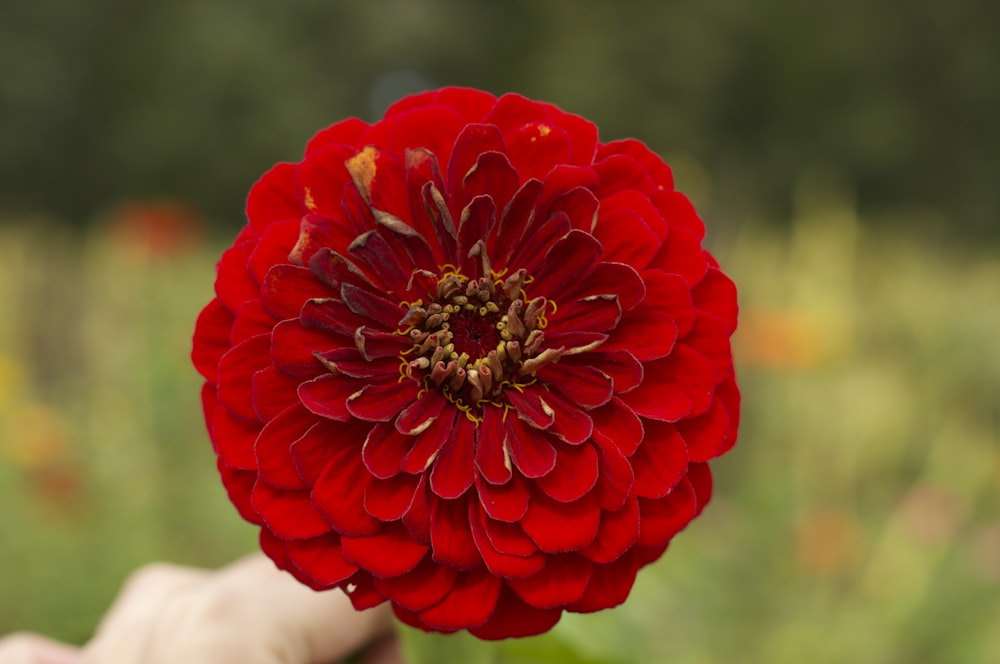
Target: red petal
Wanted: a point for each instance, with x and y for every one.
(423, 586)
(274, 196)
(345, 132)
(362, 592)
(239, 487)
(706, 433)
(293, 348)
(618, 425)
(389, 499)
(677, 209)
(233, 284)
(660, 462)
(614, 484)
(585, 385)
(211, 338)
(418, 516)
(274, 461)
(492, 175)
(682, 254)
(288, 514)
(675, 386)
(562, 581)
(380, 402)
(701, 481)
(234, 438)
(710, 338)
(251, 320)
(574, 475)
(593, 313)
(716, 294)
(327, 395)
(609, 584)
(471, 143)
(513, 618)
(626, 238)
(421, 413)
(349, 361)
(389, 553)
(618, 533)
(580, 205)
(571, 425)
(508, 233)
(374, 344)
(236, 370)
(312, 451)
(501, 563)
(451, 536)
(371, 306)
(504, 502)
(537, 147)
(662, 518)
(530, 407)
(377, 258)
(287, 287)
(491, 458)
(650, 330)
(273, 392)
(566, 262)
(610, 279)
(556, 527)
(321, 558)
(530, 449)
(454, 468)
(630, 200)
(469, 603)
(429, 443)
(272, 249)
(619, 171)
(339, 493)
(384, 450)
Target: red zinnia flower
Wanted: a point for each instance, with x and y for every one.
(469, 360)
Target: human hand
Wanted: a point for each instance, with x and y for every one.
(249, 613)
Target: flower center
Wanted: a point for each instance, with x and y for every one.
(476, 337)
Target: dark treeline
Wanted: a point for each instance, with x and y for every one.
(105, 100)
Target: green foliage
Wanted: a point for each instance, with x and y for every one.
(192, 99)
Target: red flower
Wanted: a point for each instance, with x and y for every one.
(469, 360)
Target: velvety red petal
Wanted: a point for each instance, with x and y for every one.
(361, 590)
(473, 140)
(428, 443)
(575, 473)
(571, 424)
(380, 402)
(349, 361)
(491, 459)
(418, 515)
(274, 461)
(531, 407)
(233, 285)
(593, 313)
(234, 438)
(701, 481)
(421, 413)
(251, 320)
(327, 395)
(273, 392)
(321, 558)
(619, 171)
(557, 527)
(676, 386)
(530, 449)
(710, 337)
(661, 461)
(312, 451)
(274, 196)
(716, 294)
(705, 434)
(513, 618)
(682, 254)
(662, 518)
(451, 535)
(618, 425)
(515, 217)
(677, 209)
(582, 384)
(389, 499)
(272, 248)
(493, 176)
(626, 238)
(614, 484)
(504, 502)
(536, 148)
(562, 581)
(609, 585)
(566, 261)
(339, 493)
(454, 468)
(374, 344)
(390, 552)
(371, 306)
(618, 533)
(384, 450)
(502, 563)
(293, 348)
(211, 338)
(469, 603)
(345, 132)
(288, 514)
(607, 278)
(239, 486)
(236, 370)
(422, 587)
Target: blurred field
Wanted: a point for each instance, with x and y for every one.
(858, 520)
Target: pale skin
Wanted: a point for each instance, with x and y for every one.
(248, 612)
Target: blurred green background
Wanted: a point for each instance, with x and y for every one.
(843, 155)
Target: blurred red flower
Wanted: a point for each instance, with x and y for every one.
(470, 360)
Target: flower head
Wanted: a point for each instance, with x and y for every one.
(471, 361)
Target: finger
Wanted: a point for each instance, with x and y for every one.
(24, 648)
(143, 593)
(385, 651)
